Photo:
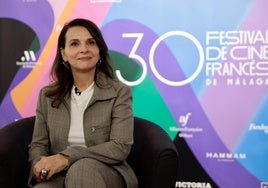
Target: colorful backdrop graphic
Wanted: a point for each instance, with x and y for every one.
(198, 69)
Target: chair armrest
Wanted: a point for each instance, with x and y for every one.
(153, 157)
(14, 141)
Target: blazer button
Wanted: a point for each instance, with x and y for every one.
(93, 129)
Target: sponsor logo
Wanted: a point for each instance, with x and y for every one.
(28, 60)
(262, 127)
(183, 119)
(181, 184)
(225, 157)
(185, 131)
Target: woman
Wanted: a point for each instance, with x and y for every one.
(84, 121)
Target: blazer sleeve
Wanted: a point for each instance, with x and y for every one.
(40, 142)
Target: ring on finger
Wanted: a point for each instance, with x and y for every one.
(44, 172)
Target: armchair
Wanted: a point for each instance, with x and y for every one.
(153, 157)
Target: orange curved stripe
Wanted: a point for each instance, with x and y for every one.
(21, 93)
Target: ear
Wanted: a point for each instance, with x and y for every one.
(63, 54)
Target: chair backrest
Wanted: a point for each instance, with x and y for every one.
(153, 157)
(14, 140)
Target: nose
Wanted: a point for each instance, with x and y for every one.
(84, 49)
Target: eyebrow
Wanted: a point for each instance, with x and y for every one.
(74, 39)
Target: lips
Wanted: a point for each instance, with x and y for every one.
(85, 58)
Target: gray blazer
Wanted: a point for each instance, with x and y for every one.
(108, 126)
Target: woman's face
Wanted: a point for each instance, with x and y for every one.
(81, 50)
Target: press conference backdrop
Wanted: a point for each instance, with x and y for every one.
(197, 68)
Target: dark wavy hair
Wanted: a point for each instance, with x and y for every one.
(62, 75)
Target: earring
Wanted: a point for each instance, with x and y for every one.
(66, 64)
(98, 63)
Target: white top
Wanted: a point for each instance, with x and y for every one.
(78, 106)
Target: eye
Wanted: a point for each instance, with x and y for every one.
(74, 44)
(92, 42)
